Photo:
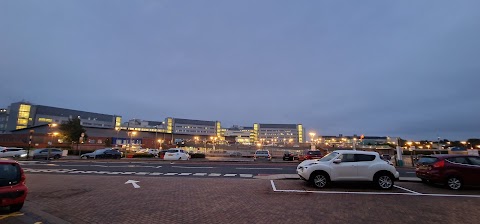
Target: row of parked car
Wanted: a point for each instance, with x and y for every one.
(13, 152)
(109, 153)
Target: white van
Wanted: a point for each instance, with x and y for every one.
(12, 152)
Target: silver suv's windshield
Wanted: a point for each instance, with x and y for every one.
(329, 157)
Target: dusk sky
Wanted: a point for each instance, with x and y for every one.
(389, 68)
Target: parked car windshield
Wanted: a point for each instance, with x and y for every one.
(329, 157)
(261, 152)
(172, 150)
(100, 151)
(9, 174)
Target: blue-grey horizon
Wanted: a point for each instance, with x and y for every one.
(387, 68)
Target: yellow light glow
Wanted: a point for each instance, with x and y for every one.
(53, 125)
(134, 133)
(409, 143)
(312, 134)
(464, 142)
(55, 133)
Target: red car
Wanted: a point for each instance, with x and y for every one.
(455, 171)
(12, 185)
(311, 155)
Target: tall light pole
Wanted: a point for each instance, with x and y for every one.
(156, 133)
(354, 144)
(160, 141)
(312, 144)
(50, 126)
(439, 146)
(132, 133)
(116, 139)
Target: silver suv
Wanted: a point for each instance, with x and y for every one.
(49, 153)
(348, 165)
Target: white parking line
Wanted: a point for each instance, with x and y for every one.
(74, 171)
(372, 193)
(246, 175)
(141, 173)
(184, 174)
(155, 174)
(405, 189)
(170, 174)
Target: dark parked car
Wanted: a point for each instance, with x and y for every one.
(455, 171)
(102, 154)
(12, 185)
(47, 153)
(289, 156)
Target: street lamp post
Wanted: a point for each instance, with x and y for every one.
(131, 134)
(30, 143)
(156, 134)
(312, 144)
(116, 139)
(160, 141)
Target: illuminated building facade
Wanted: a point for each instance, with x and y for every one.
(278, 133)
(193, 127)
(23, 114)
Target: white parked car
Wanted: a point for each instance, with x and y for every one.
(348, 165)
(176, 154)
(12, 152)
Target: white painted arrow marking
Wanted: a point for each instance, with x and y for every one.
(133, 182)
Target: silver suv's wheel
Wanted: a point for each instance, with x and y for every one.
(384, 181)
(454, 183)
(319, 180)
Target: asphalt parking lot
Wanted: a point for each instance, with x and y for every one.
(65, 198)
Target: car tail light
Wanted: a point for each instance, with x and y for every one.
(439, 164)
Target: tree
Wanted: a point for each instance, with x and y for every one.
(108, 142)
(72, 130)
